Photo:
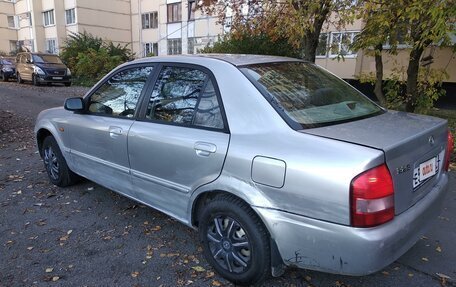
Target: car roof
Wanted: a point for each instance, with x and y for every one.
(234, 59)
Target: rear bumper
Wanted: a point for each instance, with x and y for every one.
(313, 244)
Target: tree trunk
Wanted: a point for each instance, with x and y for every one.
(412, 79)
(309, 46)
(378, 89)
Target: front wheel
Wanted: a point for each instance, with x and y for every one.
(235, 241)
(19, 79)
(55, 164)
(35, 80)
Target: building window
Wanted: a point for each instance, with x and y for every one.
(51, 46)
(322, 47)
(191, 46)
(13, 22)
(149, 20)
(174, 46)
(150, 49)
(48, 18)
(191, 10)
(340, 43)
(70, 16)
(174, 12)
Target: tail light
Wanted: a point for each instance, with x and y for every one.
(449, 150)
(372, 197)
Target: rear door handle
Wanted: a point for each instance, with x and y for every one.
(114, 132)
(204, 148)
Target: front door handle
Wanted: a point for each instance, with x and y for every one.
(204, 148)
(114, 132)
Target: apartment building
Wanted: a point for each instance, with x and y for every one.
(43, 25)
(166, 27)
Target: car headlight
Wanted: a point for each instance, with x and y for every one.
(39, 71)
(7, 69)
(68, 72)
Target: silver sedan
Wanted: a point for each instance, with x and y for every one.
(274, 160)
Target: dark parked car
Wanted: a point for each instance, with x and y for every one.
(41, 69)
(7, 68)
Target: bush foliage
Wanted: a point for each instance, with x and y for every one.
(90, 58)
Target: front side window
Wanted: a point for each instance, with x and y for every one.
(185, 96)
(48, 18)
(119, 95)
(307, 95)
(70, 16)
(174, 46)
(174, 12)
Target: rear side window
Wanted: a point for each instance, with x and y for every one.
(185, 96)
(119, 95)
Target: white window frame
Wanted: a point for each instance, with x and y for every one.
(150, 48)
(151, 18)
(54, 49)
(353, 54)
(48, 15)
(15, 21)
(175, 48)
(73, 15)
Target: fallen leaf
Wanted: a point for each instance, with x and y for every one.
(55, 278)
(49, 270)
(210, 274)
(156, 228)
(30, 248)
(134, 274)
(64, 238)
(425, 259)
(410, 275)
(441, 275)
(216, 283)
(308, 278)
(69, 232)
(198, 269)
(385, 272)
(438, 249)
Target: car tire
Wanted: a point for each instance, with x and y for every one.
(68, 84)
(55, 164)
(35, 80)
(235, 240)
(19, 79)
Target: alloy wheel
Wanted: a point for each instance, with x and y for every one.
(229, 244)
(51, 162)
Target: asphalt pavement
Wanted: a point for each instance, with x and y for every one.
(86, 235)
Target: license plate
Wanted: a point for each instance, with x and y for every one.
(427, 169)
(57, 78)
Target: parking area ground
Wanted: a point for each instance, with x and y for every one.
(86, 235)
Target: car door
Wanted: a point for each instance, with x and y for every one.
(99, 135)
(181, 140)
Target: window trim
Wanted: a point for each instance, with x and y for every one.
(150, 20)
(74, 17)
(208, 72)
(179, 4)
(330, 39)
(145, 90)
(44, 18)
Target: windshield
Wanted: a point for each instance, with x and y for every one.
(46, 59)
(307, 95)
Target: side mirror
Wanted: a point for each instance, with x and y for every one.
(74, 104)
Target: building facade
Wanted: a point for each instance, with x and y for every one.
(166, 27)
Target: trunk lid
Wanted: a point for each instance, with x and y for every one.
(411, 144)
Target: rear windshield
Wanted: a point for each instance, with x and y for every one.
(307, 95)
(46, 59)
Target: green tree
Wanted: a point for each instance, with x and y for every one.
(252, 44)
(417, 24)
(298, 21)
(90, 57)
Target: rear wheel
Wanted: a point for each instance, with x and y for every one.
(235, 241)
(68, 84)
(55, 164)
